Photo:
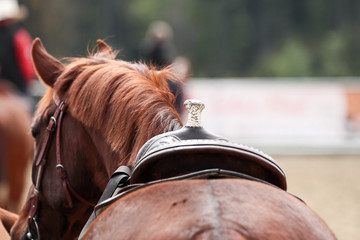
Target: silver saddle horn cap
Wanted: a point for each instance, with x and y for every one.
(195, 108)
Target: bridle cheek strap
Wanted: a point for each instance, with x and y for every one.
(41, 161)
(54, 123)
(60, 168)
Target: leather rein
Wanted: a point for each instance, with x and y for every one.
(54, 125)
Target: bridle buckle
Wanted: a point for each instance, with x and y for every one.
(61, 171)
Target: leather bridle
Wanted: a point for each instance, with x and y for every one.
(53, 125)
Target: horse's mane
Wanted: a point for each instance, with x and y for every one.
(128, 102)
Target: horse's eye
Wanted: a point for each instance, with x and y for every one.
(35, 129)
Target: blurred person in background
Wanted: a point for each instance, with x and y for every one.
(15, 45)
(158, 47)
(159, 50)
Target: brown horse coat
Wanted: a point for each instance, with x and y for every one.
(209, 209)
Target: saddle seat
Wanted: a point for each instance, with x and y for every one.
(194, 149)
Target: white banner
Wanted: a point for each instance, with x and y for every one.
(248, 110)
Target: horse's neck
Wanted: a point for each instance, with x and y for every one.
(109, 158)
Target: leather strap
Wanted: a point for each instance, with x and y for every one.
(49, 131)
(61, 169)
(118, 179)
(202, 174)
(55, 123)
(41, 161)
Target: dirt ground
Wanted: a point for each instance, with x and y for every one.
(330, 185)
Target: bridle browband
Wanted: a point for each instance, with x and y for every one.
(54, 124)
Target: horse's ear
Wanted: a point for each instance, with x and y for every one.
(47, 67)
(104, 50)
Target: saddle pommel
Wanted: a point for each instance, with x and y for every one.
(194, 108)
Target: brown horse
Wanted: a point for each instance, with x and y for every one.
(16, 146)
(95, 116)
(209, 209)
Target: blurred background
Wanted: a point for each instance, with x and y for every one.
(281, 75)
(234, 38)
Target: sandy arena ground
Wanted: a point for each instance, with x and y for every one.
(330, 185)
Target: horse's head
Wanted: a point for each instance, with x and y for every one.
(95, 115)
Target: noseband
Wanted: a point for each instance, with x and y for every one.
(54, 125)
